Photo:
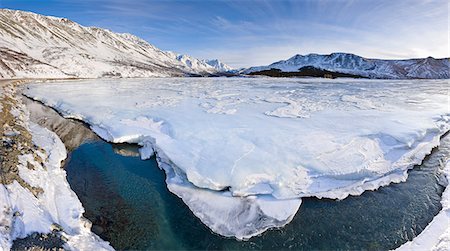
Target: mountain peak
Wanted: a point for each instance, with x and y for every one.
(218, 65)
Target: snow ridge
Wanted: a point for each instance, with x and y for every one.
(422, 68)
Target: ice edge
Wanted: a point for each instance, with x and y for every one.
(435, 236)
(251, 206)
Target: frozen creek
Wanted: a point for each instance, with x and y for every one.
(38, 210)
(241, 153)
(129, 205)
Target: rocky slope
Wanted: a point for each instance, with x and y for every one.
(33, 45)
(429, 68)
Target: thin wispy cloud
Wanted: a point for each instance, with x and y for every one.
(245, 33)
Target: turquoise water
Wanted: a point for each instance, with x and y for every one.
(127, 200)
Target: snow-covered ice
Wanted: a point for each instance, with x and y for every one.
(244, 142)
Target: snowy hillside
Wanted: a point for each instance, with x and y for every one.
(33, 45)
(373, 68)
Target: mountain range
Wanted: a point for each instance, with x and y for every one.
(37, 46)
(350, 65)
(33, 45)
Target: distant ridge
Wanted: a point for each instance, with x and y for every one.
(33, 45)
(353, 65)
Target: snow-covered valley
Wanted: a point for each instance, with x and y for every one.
(218, 139)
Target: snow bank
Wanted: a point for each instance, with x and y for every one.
(23, 213)
(247, 140)
(26, 214)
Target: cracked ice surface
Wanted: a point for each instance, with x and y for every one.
(257, 146)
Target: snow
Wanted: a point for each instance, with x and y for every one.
(244, 141)
(22, 213)
(57, 204)
(436, 236)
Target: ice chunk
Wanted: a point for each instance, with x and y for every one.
(240, 217)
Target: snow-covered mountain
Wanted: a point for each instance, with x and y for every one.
(203, 65)
(219, 66)
(356, 65)
(33, 45)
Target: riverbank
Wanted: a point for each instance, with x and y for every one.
(39, 211)
(436, 236)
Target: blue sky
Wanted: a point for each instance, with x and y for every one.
(247, 33)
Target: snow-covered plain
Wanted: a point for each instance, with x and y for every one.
(241, 153)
